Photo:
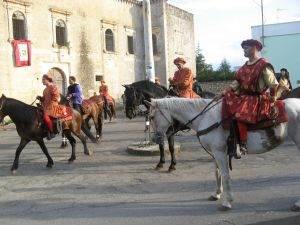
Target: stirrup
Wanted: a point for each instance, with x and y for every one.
(237, 154)
(243, 148)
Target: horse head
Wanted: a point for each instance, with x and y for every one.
(132, 101)
(160, 120)
(2, 113)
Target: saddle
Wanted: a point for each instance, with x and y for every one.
(57, 124)
(279, 116)
(86, 106)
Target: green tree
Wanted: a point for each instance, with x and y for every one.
(203, 70)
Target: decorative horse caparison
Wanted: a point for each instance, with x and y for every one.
(30, 128)
(136, 93)
(164, 111)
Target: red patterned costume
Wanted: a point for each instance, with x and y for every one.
(247, 100)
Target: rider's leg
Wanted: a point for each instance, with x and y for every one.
(50, 127)
(105, 107)
(243, 136)
(77, 107)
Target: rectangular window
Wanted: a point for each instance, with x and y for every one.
(60, 36)
(19, 29)
(99, 77)
(130, 44)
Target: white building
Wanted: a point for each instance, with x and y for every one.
(91, 40)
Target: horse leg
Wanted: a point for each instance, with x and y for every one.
(162, 156)
(222, 163)
(95, 119)
(45, 151)
(100, 126)
(83, 140)
(73, 144)
(217, 194)
(21, 146)
(64, 142)
(172, 153)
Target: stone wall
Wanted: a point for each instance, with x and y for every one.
(85, 56)
(215, 86)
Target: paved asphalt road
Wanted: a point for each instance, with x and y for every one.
(112, 187)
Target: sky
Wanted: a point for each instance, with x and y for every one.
(221, 25)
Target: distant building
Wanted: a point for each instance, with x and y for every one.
(281, 47)
(91, 40)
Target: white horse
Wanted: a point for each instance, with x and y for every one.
(163, 111)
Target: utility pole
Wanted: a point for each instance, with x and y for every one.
(262, 23)
(149, 61)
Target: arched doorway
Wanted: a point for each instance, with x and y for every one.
(59, 78)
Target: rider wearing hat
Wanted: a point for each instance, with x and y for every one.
(183, 80)
(246, 100)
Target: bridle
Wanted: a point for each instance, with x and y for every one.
(2, 114)
(134, 102)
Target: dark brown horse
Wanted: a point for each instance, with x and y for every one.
(29, 126)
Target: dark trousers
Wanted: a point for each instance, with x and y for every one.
(105, 107)
(77, 107)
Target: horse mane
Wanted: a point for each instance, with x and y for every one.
(15, 105)
(185, 104)
(150, 88)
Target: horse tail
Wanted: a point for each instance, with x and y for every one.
(88, 133)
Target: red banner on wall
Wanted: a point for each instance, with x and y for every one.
(22, 50)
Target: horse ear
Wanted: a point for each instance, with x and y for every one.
(3, 96)
(125, 86)
(147, 103)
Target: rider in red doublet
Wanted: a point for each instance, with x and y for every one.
(250, 98)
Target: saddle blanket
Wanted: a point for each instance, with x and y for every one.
(280, 118)
(86, 106)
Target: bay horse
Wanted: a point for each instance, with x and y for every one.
(28, 118)
(136, 93)
(93, 112)
(164, 111)
(111, 110)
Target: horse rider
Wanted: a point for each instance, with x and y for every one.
(247, 99)
(103, 90)
(182, 81)
(74, 93)
(50, 100)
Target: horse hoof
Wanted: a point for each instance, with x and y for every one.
(171, 169)
(49, 165)
(224, 208)
(13, 171)
(71, 160)
(295, 208)
(213, 198)
(63, 146)
(88, 153)
(159, 166)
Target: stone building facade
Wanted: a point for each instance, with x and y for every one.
(91, 40)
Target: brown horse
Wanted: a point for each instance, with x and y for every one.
(111, 110)
(30, 127)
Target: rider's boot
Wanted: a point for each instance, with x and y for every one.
(243, 148)
(50, 135)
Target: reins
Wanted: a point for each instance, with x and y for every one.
(206, 108)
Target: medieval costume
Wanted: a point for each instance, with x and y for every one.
(247, 100)
(50, 103)
(183, 80)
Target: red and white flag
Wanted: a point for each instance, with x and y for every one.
(22, 50)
